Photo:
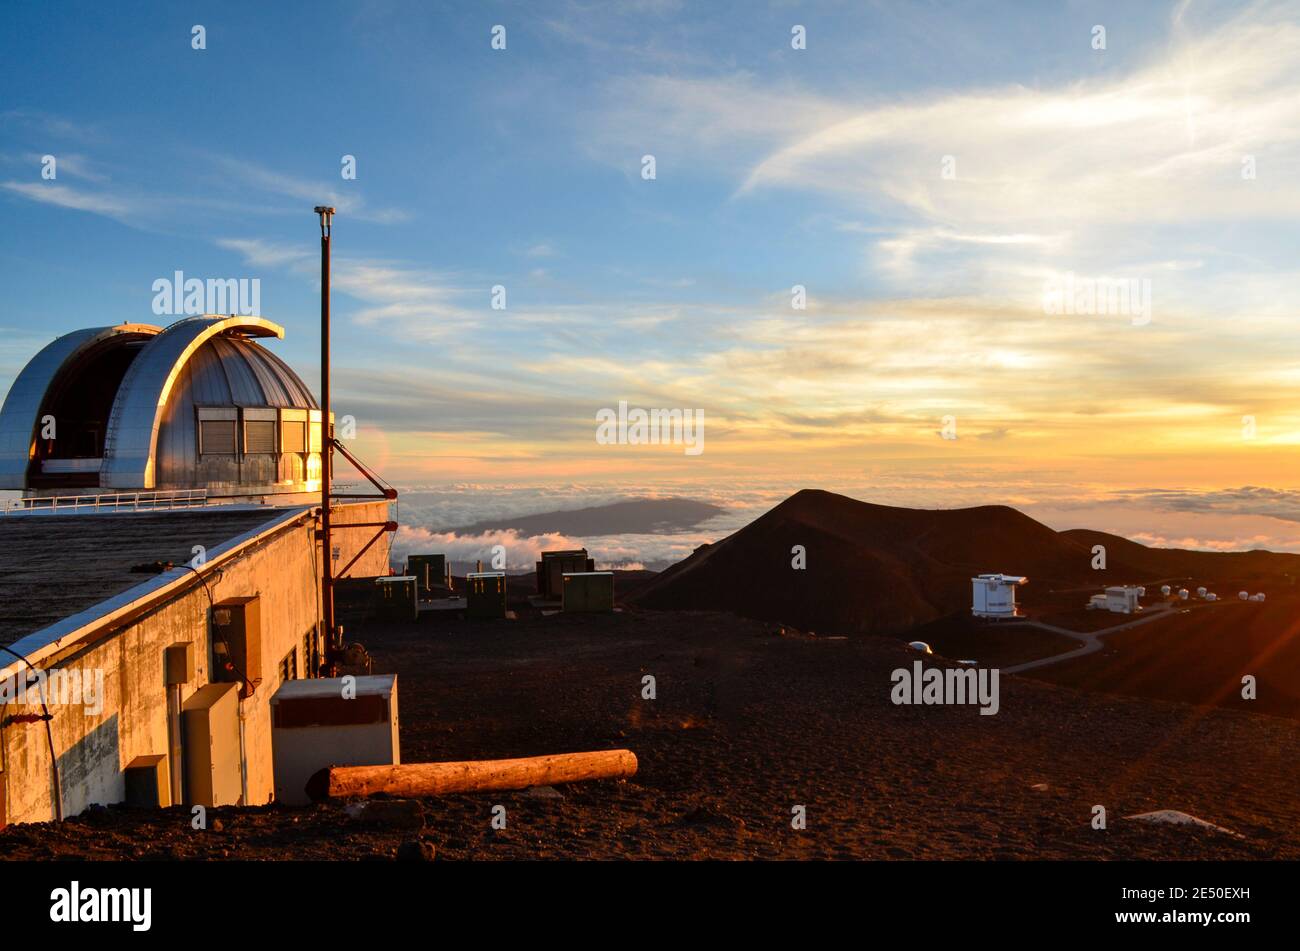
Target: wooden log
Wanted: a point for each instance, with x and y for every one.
(436, 779)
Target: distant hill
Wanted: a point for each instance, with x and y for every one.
(633, 517)
(1248, 568)
(882, 569)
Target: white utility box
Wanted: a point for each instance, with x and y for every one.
(331, 721)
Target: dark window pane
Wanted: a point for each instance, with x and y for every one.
(217, 436)
(259, 435)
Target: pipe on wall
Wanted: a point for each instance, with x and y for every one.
(174, 741)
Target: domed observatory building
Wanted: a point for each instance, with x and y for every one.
(200, 408)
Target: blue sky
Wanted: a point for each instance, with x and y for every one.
(775, 167)
(486, 154)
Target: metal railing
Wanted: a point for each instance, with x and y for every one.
(153, 501)
(113, 502)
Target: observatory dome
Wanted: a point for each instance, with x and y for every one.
(200, 404)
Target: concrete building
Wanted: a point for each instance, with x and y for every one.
(157, 567)
(75, 611)
(994, 595)
(1118, 599)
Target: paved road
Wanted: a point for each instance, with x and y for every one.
(1089, 643)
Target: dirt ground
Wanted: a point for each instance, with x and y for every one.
(746, 726)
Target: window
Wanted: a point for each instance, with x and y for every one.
(293, 435)
(217, 437)
(259, 435)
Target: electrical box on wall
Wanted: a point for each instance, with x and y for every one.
(213, 773)
(148, 784)
(237, 640)
(180, 663)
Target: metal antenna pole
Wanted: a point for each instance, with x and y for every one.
(326, 439)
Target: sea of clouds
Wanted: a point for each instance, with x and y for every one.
(1211, 520)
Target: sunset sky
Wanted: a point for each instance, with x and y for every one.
(928, 172)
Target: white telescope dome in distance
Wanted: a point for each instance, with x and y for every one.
(1165, 589)
(921, 646)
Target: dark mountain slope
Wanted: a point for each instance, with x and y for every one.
(872, 568)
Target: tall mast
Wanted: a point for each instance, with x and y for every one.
(326, 439)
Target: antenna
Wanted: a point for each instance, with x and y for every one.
(332, 635)
(336, 654)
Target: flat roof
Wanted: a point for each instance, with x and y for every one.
(56, 566)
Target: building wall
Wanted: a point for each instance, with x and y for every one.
(93, 750)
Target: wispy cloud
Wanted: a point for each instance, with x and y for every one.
(1135, 148)
(65, 196)
(399, 298)
(968, 189)
(344, 196)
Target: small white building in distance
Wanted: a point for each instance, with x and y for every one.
(995, 595)
(1121, 599)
